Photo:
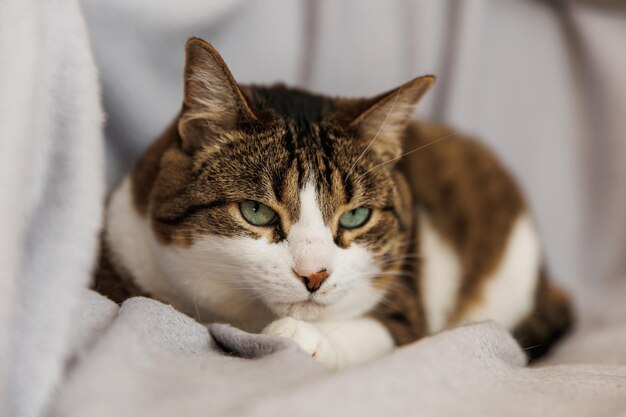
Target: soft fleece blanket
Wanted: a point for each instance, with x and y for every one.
(66, 351)
(149, 359)
(51, 185)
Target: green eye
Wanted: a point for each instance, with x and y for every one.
(355, 218)
(257, 214)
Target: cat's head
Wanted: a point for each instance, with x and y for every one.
(281, 195)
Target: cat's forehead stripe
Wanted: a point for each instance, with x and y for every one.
(272, 167)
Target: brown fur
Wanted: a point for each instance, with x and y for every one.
(111, 279)
(550, 319)
(263, 144)
(473, 202)
(470, 198)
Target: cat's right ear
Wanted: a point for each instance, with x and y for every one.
(213, 103)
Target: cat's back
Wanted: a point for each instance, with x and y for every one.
(454, 174)
(472, 228)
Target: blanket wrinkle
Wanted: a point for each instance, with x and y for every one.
(151, 349)
(96, 313)
(154, 360)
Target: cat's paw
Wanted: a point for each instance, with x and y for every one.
(308, 337)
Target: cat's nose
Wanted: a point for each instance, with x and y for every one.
(313, 281)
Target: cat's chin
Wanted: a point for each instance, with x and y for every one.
(305, 310)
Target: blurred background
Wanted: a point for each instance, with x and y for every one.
(543, 83)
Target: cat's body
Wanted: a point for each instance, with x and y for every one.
(295, 214)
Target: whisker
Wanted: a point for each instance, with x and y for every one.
(531, 347)
(382, 126)
(410, 152)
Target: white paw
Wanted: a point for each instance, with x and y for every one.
(308, 337)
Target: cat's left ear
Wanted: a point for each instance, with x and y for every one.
(213, 103)
(387, 116)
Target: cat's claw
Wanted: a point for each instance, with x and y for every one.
(308, 337)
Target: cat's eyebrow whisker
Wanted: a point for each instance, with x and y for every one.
(382, 126)
(419, 148)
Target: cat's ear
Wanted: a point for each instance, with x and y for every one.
(213, 102)
(384, 120)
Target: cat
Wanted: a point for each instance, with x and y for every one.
(338, 223)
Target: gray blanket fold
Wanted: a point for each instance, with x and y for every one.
(153, 360)
(242, 344)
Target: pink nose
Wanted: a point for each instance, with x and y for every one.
(314, 281)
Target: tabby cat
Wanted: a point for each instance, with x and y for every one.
(337, 223)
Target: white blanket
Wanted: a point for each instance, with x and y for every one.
(152, 360)
(51, 180)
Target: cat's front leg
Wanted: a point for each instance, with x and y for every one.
(308, 337)
(336, 344)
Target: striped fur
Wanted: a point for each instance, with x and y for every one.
(175, 232)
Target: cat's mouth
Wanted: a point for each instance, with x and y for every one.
(310, 302)
(313, 301)
(302, 310)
